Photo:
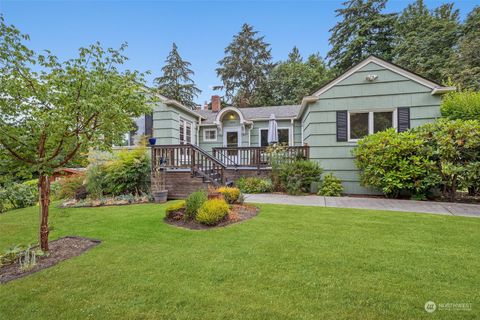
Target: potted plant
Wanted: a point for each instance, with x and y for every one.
(152, 141)
(161, 195)
(212, 193)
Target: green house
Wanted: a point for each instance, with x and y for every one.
(195, 148)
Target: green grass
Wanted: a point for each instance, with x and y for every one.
(287, 263)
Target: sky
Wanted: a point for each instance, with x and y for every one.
(201, 29)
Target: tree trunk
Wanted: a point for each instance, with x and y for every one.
(44, 195)
(453, 189)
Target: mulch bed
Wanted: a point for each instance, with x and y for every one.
(60, 249)
(238, 213)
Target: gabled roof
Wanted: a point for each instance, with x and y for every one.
(436, 88)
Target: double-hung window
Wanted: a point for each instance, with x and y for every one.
(363, 123)
(185, 131)
(210, 135)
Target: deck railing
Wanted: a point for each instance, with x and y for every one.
(187, 156)
(259, 157)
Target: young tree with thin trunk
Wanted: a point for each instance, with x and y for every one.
(50, 111)
(176, 82)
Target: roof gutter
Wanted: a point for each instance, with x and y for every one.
(305, 101)
(442, 90)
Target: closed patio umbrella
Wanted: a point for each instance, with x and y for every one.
(272, 130)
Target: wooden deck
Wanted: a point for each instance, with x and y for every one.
(182, 169)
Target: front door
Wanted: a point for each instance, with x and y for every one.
(232, 140)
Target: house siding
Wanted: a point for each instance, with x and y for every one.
(250, 136)
(390, 91)
(166, 124)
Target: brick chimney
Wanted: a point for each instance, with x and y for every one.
(216, 103)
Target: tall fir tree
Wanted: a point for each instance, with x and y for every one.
(294, 55)
(426, 40)
(292, 80)
(363, 30)
(466, 61)
(245, 67)
(176, 82)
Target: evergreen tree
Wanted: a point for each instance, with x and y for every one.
(362, 31)
(176, 82)
(245, 67)
(292, 80)
(294, 56)
(466, 62)
(426, 39)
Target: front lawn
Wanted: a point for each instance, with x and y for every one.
(286, 263)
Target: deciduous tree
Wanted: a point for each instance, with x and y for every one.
(292, 80)
(51, 110)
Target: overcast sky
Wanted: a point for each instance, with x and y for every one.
(201, 29)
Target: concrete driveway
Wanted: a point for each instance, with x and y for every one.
(446, 208)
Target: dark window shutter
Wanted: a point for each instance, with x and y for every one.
(342, 125)
(149, 125)
(403, 119)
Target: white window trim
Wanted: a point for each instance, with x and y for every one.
(185, 130)
(278, 128)
(370, 120)
(205, 135)
(232, 129)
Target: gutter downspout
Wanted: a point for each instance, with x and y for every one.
(292, 132)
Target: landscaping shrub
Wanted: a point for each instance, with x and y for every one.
(69, 186)
(461, 105)
(193, 203)
(175, 207)
(254, 185)
(296, 177)
(212, 212)
(230, 194)
(95, 180)
(456, 150)
(128, 172)
(331, 186)
(18, 195)
(396, 162)
(277, 156)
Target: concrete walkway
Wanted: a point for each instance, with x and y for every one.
(446, 208)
